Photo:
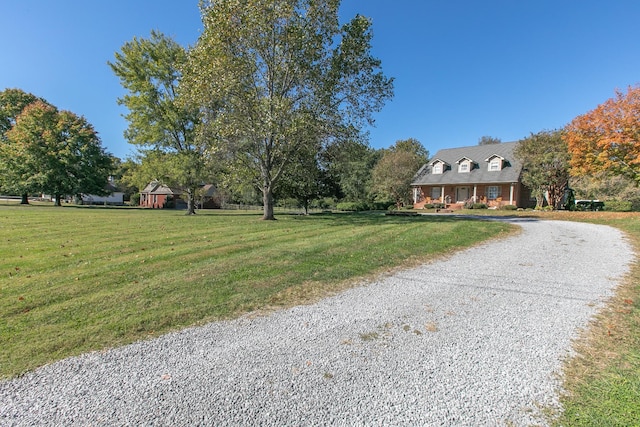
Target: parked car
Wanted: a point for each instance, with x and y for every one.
(589, 205)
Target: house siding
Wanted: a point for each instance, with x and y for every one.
(154, 201)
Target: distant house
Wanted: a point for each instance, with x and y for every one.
(156, 195)
(209, 197)
(115, 196)
(487, 174)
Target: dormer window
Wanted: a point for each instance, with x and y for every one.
(439, 166)
(495, 163)
(464, 165)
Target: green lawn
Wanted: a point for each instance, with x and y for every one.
(78, 279)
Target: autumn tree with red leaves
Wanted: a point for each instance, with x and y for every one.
(607, 139)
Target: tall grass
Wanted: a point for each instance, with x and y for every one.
(79, 279)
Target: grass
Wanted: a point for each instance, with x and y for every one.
(74, 280)
(79, 279)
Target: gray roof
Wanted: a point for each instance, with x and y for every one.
(155, 187)
(479, 174)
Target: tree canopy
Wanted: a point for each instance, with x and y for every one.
(151, 71)
(488, 140)
(393, 174)
(272, 78)
(546, 165)
(607, 139)
(12, 102)
(349, 164)
(54, 152)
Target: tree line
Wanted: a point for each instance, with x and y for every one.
(272, 101)
(597, 154)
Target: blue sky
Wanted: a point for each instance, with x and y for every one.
(462, 68)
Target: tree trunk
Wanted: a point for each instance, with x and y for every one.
(191, 202)
(267, 201)
(57, 203)
(25, 199)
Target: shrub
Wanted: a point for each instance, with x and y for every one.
(509, 208)
(381, 206)
(428, 206)
(438, 205)
(134, 200)
(479, 206)
(325, 203)
(618, 206)
(351, 206)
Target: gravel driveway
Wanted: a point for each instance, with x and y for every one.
(475, 339)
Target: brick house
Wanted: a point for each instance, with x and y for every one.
(487, 174)
(157, 195)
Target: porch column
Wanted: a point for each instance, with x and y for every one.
(415, 195)
(475, 196)
(511, 193)
(442, 195)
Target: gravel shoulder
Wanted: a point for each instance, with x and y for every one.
(475, 339)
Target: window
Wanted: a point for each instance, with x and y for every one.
(495, 164)
(437, 167)
(493, 192)
(435, 193)
(464, 167)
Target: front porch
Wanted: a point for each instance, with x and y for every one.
(458, 196)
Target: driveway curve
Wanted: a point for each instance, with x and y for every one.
(475, 339)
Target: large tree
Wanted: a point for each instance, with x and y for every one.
(545, 159)
(12, 102)
(394, 172)
(269, 74)
(151, 71)
(55, 152)
(607, 139)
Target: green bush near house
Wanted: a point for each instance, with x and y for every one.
(479, 206)
(618, 206)
(509, 207)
